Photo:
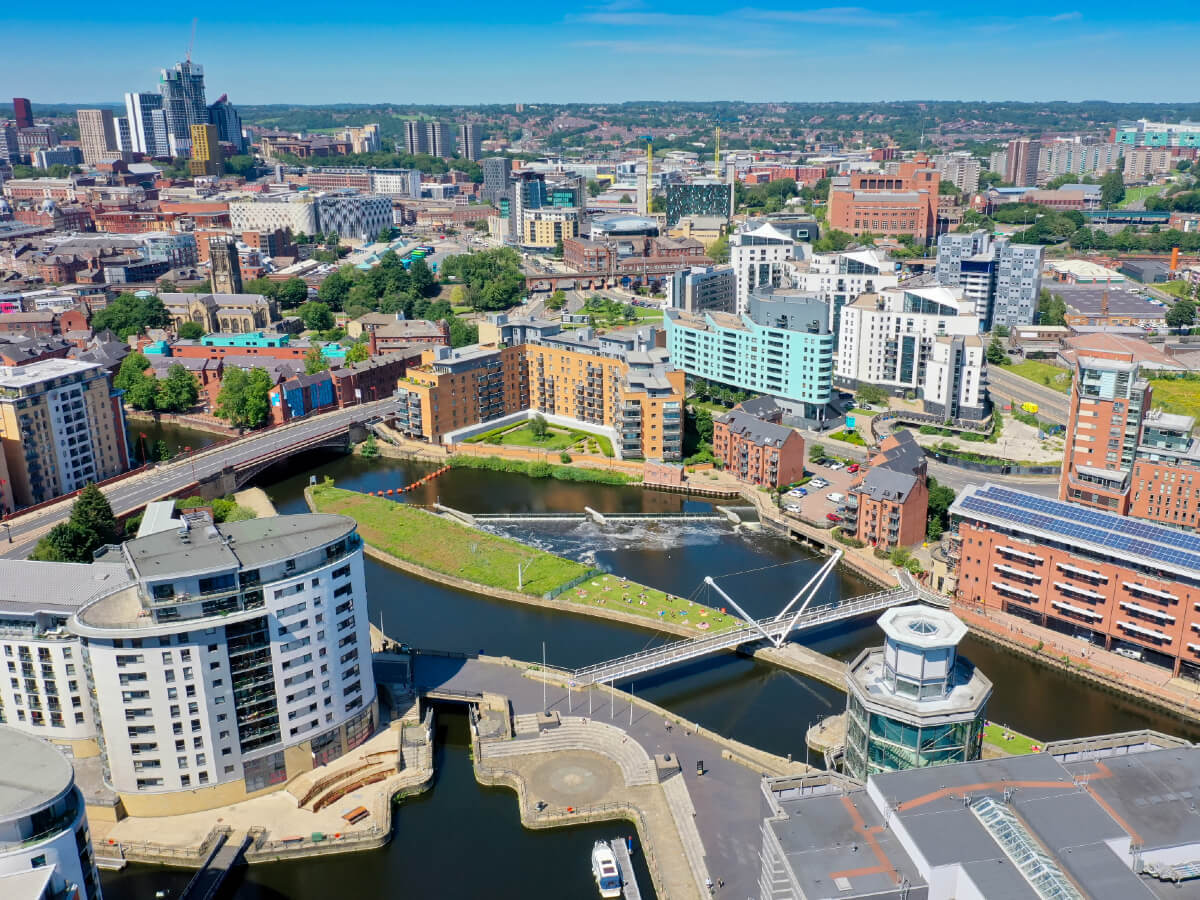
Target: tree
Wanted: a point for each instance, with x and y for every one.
(870, 394)
(558, 249)
(91, 526)
(1052, 309)
(144, 393)
(995, 352)
(264, 286)
(358, 353)
(336, 288)
(557, 300)
(316, 316)
(718, 250)
(538, 427)
(1112, 189)
(833, 241)
(385, 234)
(162, 452)
(1000, 331)
(179, 391)
(421, 278)
(1182, 314)
(594, 188)
(191, 331)
(293, 292)
(947, 187)
(941, 498)
(934, 529)
(704, 425)
(463, 334)
(133, 369)
(245, 397)
(315, 361)
(129, 314)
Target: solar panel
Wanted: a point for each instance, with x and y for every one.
(1093, 526)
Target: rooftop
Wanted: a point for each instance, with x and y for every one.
(60, 587)
(16, 377)
(765, 434)
(34, 775)
(1091, 531)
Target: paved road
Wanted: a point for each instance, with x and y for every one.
(161, 481)
(1005, 387)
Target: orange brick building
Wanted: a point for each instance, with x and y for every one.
(1116, 582)
(888, 503)
(888, 205)
(756, 447)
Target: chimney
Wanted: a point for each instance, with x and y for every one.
(373, 343)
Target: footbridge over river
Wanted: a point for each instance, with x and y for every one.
(773, 629)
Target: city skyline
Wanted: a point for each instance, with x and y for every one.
(645, 51)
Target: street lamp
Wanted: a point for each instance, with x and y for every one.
(8, 530)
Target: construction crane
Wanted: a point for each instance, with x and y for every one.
(649, 139)
(192, 42)
(717, 153)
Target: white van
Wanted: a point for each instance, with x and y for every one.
(835, 498)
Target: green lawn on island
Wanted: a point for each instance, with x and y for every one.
(1053, 377)
(1017, 744)
(1177, 395)
(556, 438)
(452, 548)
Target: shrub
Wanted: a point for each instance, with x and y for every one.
(930, 429)
(565, 457)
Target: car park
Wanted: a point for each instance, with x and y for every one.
(852, 468)
(798, 492)
(835, 465)
(833, 517)
(835, 497)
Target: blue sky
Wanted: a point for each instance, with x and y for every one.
(484, 52)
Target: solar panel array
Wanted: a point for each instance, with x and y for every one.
(1072, 522)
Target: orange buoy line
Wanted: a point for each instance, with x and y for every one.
(432, 475)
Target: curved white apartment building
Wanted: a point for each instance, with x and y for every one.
(45, 846)
(233, 658)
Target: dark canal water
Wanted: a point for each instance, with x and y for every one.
(753, 702)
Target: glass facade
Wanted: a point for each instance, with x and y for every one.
(876, 743)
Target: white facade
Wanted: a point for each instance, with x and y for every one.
(886, 338)
(356, 217)
(841, 278)
(45, 846)
(403, 183)
(234, 643)
(961, 169)
(298, 214)
(1064, 156)
(954, 384)
(759, 259)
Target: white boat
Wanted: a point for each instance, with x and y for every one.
(605, 870)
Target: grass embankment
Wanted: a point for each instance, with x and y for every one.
(555, 438)
(1017, 744)
(1134, 194)
(542, 470)
(1053, 377)
(451, 548)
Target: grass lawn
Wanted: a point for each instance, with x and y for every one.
(1177, 395)
(861, 412)
(649, 315)
(451, 548)
(1053, 377)
(717, 409)
(1018, 745)
(1180, 289)
(1139, 193)
(557, 438)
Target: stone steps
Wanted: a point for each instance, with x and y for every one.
(636, 766)
(679, 800)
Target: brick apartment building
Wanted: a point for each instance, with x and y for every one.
(1114, 581)
(888, 504)
(756, 447)
(1123, 455)
(888, 205)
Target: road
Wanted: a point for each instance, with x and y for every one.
(164, 480)
(1005, 387)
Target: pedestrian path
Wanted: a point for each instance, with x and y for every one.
(582, 734)
(679, 800)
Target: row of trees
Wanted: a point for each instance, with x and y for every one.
(288, 294)
(492, 279)
(129, 314)
(382, 288)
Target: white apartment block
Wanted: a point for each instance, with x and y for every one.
(955, 386)
(297, 214)
(1070, 156)
(759, 259)
(888, 338)
(1144, 163)
(841, 278)
(399, 183)
(220, 660)
(961, 169)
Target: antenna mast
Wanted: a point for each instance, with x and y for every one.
(193, 40)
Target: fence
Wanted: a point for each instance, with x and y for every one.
(982, 426)
(147, 851)
(574, 582)
(998, 468)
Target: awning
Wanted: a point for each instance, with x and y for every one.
(1148, 590)
(1078, 591)
(1009, 570)
(1078, 610)
(1008, 588)
(1020, 553)
(1148, 632)
(1146, 610)
(1083, 572)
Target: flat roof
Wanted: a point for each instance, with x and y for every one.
(1131, 541)
(28, 587)
(34, 773)
(43, 370)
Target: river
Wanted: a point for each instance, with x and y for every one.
(751, 701)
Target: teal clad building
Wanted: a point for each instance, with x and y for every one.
(782, 347)
(1144, 133)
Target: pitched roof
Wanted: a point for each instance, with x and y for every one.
(752, 428)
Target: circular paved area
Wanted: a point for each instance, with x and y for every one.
(574, 778)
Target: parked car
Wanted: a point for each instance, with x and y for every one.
(852, 468)
(833, 517)
(1128, 652)
(797, 492)
(818, 483)
(835, 497)
(835, 465)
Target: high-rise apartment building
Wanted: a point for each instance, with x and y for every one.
(182, 89)
(97, 134)
(1073, 156)
(1144, 133)
(147, 124)
(470, 139)
(226, 270)
(759, 258)
(10, 148)
(1021, 161)
(782, 346)
(22, 112)
(1002, 278)
(496, 173)
(356, 217)
(840, 278)
(61, 426)
(415, 137)
(363, 139)
(702, 289)
(440, 138)
(206, 151)
(124, 134)
(225, 116)
(960, 169)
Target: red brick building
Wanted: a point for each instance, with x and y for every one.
(888, 503)
(759, 450)
(888, 205)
